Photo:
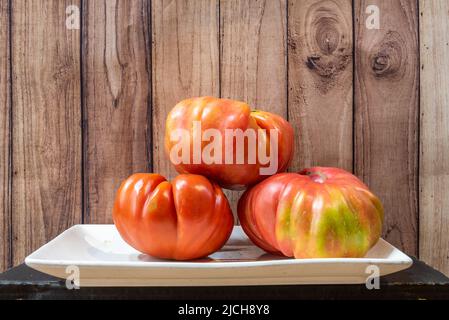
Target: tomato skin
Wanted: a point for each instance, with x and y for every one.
(186, 219)
(222, 114)
(317, 213)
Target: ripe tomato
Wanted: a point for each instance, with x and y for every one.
(206, 128)
(186, 219)
(317, 213)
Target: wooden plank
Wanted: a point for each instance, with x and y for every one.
(321, 82)
(185, 62)
(434, 166)
(117, 89)
(46, 189)
(5, 105)
(254, 57)
(253, 61)
(386, 114)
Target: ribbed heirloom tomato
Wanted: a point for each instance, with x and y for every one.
(210, 131)
(186, 219)
(319, 212)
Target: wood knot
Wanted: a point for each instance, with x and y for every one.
(328, 41)
(328, 67)
(63, 72)
(327, 35)
(389, 60)
(380, 62)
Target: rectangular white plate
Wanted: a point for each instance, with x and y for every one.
(104, 259)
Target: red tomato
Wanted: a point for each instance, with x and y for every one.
(317, 213)
(186, 219)
(221, 116)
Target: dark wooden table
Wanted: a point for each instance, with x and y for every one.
(418, 282)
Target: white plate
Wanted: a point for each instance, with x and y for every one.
(104, 259)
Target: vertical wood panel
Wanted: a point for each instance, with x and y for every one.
(386, 114)
(185, 62)
(253, 56)
(117, 89)
(253, 46)
(46, 193)
(434, 164)
(5, 225)
(320, 82)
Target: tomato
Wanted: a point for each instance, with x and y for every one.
(207, 125)
(186, 219)
(317, 213)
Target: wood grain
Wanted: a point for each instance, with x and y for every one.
(46, 187)
(117, 89)
(386, 114)
(79, 115)
(253, 53)
(253, 57)
(321, 82)
(434, 164)
(185, 62)
(5, 106)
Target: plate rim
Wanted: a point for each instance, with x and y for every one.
(31, 261)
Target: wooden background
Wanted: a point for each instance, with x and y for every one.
(81, 109)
